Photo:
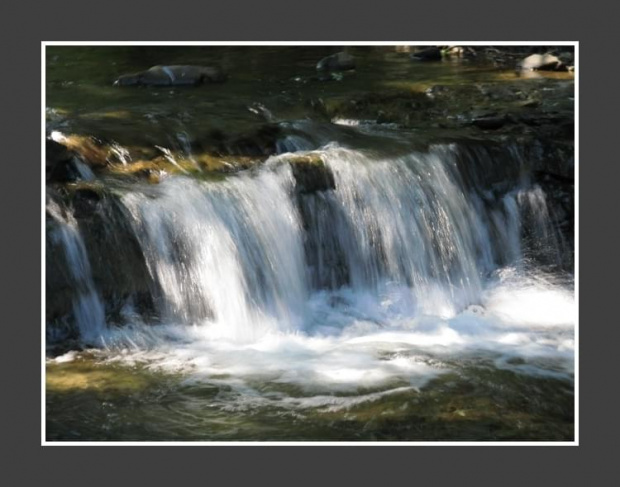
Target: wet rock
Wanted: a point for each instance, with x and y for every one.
(118, 265)
(172, 76)
(457, 51)
(261, 142)
(261, 111)
(90, 150)
(248, 146)
(59, 163)
(550, 125)
(428, 54)
(560, 197)
(311, 174)
(437, 90)
(567, 58)
(85, 198)
(497, 92)
(553, 157)
(490, 122)
(488, 164)
(341, 61)
(116, 260)
(330, 76)
(389, 107)
(58, 280)
(542, 62)
(529, 103)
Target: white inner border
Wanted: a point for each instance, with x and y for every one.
(308, 443)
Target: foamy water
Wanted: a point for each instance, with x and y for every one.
(351, 343)
(397, 276)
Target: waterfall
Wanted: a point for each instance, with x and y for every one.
(88, 308)
(405, 220)
(230, 252)
(317, 286)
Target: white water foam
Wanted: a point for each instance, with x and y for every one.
(426, 289)
(356, 348)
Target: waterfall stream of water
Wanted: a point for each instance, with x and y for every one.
(398, 267)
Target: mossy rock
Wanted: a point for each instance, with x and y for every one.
(311, 173)
(91, 150)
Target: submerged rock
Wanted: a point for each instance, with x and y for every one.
(172, 76)
(490, 122)
(458, 51)
(258, 143)
(341, 61)
(429, 54)
(384, 107)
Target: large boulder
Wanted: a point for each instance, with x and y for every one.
(172, 76)
(341, 61)
(542, 62)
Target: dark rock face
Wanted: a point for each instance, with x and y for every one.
(553, 157)
(311, 174)
(172, 76)
(117, 263)
(340, 61)
(429, 54)
(542, 62)
(560, 193)
(494, 170)
(59, 285)
(59, 163)
(262, 142)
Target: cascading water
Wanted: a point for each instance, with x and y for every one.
(406, 221)
(230, 253)
(88, 309)
(376, 282)
(383, 253)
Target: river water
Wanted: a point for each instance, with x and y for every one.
(411, 300)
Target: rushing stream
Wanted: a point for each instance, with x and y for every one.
(407, 299)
